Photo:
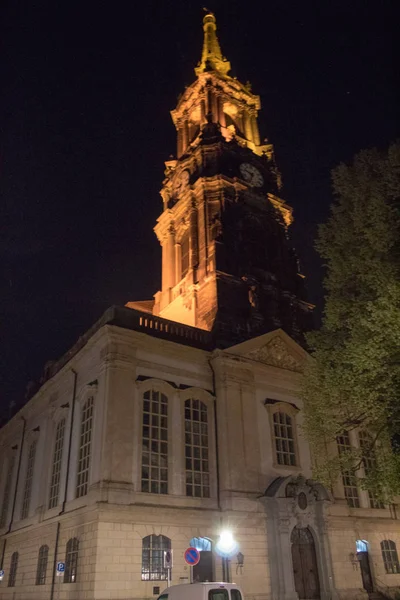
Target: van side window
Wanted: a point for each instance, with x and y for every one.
(220, 594)
(236, 595)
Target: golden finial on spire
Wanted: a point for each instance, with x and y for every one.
(211, 58)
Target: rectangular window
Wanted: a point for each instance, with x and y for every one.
(185, 248)
(85, 446)
(155, 443)
(7, 492)
(57, 462)
(284, 439)
(348, 477)
(196, 449)
(28, 480)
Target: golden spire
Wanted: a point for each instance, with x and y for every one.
(211, 58)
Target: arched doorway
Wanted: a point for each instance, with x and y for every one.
(362, 555)
(304, 562)
(204, 570)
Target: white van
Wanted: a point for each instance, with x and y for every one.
(202, 591)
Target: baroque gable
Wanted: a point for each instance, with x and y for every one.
(277, 354)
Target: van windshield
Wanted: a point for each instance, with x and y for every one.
(221, 594)
(163, 597)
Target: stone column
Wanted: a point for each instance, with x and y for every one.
(221, 114)
(170, 258)
(202, 111)
(179, 144)
(254, 128)
(194, 254)
(185, 143)
(247, 126)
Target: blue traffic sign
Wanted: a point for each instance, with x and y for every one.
(192, 556)
(1, 573)
(61, 567)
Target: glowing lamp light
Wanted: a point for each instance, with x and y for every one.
(226, 546)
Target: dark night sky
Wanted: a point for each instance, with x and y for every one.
(85, 94)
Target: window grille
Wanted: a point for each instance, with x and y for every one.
(85, 446)
(196, 449)
(389, 555)
(71, 560)
(57, 463)
(284, 439)
(370, 464)
(7, 492)
(348, 477)
(42, 565)
(155, 443)
(26, 499)
(153, 547)
(13, 569)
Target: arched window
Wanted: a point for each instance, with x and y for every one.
(196, 449)
(13, 569)
(85, 446)
(370, 464)
(348, 477)
(389, 555)
(71, 560)
(26, 499)
(42, 565)
(57, 462)
(284, 439)
(155, 443)
(153, 547)
(7, 491)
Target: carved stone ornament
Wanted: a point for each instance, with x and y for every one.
(276, 353)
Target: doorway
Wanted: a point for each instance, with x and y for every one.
(204, 570)
(304, 560)
(363, 558)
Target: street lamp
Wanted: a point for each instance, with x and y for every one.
(226, 547)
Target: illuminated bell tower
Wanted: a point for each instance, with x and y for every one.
(227, 262)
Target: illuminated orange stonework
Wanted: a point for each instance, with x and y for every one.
(217, 132)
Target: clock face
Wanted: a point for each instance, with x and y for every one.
(251, 174)
(181, 181)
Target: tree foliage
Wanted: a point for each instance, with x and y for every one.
(353, 380)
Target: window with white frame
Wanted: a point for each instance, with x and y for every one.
(348, 476)
(155, 443)
(153, 548)
(284, 440)
(7, 491)
(26, 498)
(12, 576)
(85, 446)
(42, 565)
(370, 464)
(196, 449)
(57, 463)
(389, 555)
(71, 561)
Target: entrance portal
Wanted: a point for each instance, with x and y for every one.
(204, 570)
(362, 555)
(304, 561)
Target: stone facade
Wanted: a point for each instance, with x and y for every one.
(250, 492)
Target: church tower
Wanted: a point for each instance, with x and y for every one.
(228, 265)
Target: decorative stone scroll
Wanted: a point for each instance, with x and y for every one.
(276, 353)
